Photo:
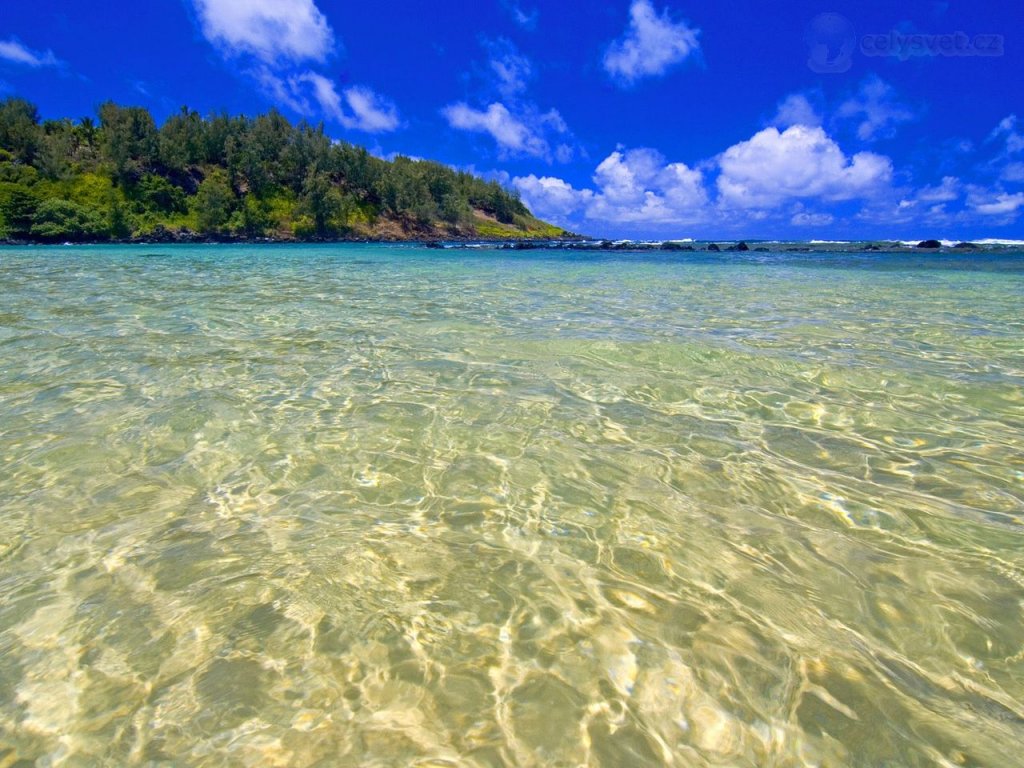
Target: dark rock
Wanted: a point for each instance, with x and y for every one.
(713, 247)
(929, 244)
(968, 246)
(432, 244)
(742, 246)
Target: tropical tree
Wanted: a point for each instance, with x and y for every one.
(20, 133)
(213, 202)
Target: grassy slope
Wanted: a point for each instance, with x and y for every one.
(483, 226)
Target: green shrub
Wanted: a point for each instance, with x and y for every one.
(56, 220)
(213, 202)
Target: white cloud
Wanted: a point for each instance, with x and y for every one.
(1013, 142)
(651, 45)
(281, 91)
(945, 192)
(1007, 130)
(515, 122)
(638, 186)
(876, 107)
(990, 203)
(795, 109)
(281, 34)
(371, 112)
(549, 197)
(932, 206)
(271, 30)
(13, 51)
(797, 178)
(323, 90)
(1012, 172)
(356, 107)
(631, 187)
(525, 19)
(800, 162)
(804, 219)
(510, 134)
(515, 135)
(487, 174)
(510, 70)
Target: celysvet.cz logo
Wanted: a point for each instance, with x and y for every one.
(832, 42)
(905, 45)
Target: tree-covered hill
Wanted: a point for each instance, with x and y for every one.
(123, 177)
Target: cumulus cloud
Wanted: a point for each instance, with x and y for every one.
(651, 45)
(877, 109)
(630, 187)
(800, 162)
(795, 109)
(271, 30)
(514, 135)
(873, 109)
(762, 176)
(638, 186)
(793, 178)
(550, 197)
(13, 51)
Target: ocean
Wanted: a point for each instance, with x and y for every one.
(385, 505)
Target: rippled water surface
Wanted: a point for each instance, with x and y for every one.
(379, 506)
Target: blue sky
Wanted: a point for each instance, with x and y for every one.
(635, 118)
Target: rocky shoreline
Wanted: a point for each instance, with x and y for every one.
(162, 236)
(923, 246)
(186, 237)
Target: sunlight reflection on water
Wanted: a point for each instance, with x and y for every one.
(340, 505)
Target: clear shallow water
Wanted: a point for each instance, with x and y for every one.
(382, 506)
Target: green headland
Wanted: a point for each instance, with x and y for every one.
(122, 177)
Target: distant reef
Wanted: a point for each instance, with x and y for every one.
(122, 178)
(742, 246)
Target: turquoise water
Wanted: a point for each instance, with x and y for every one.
(368, 505)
